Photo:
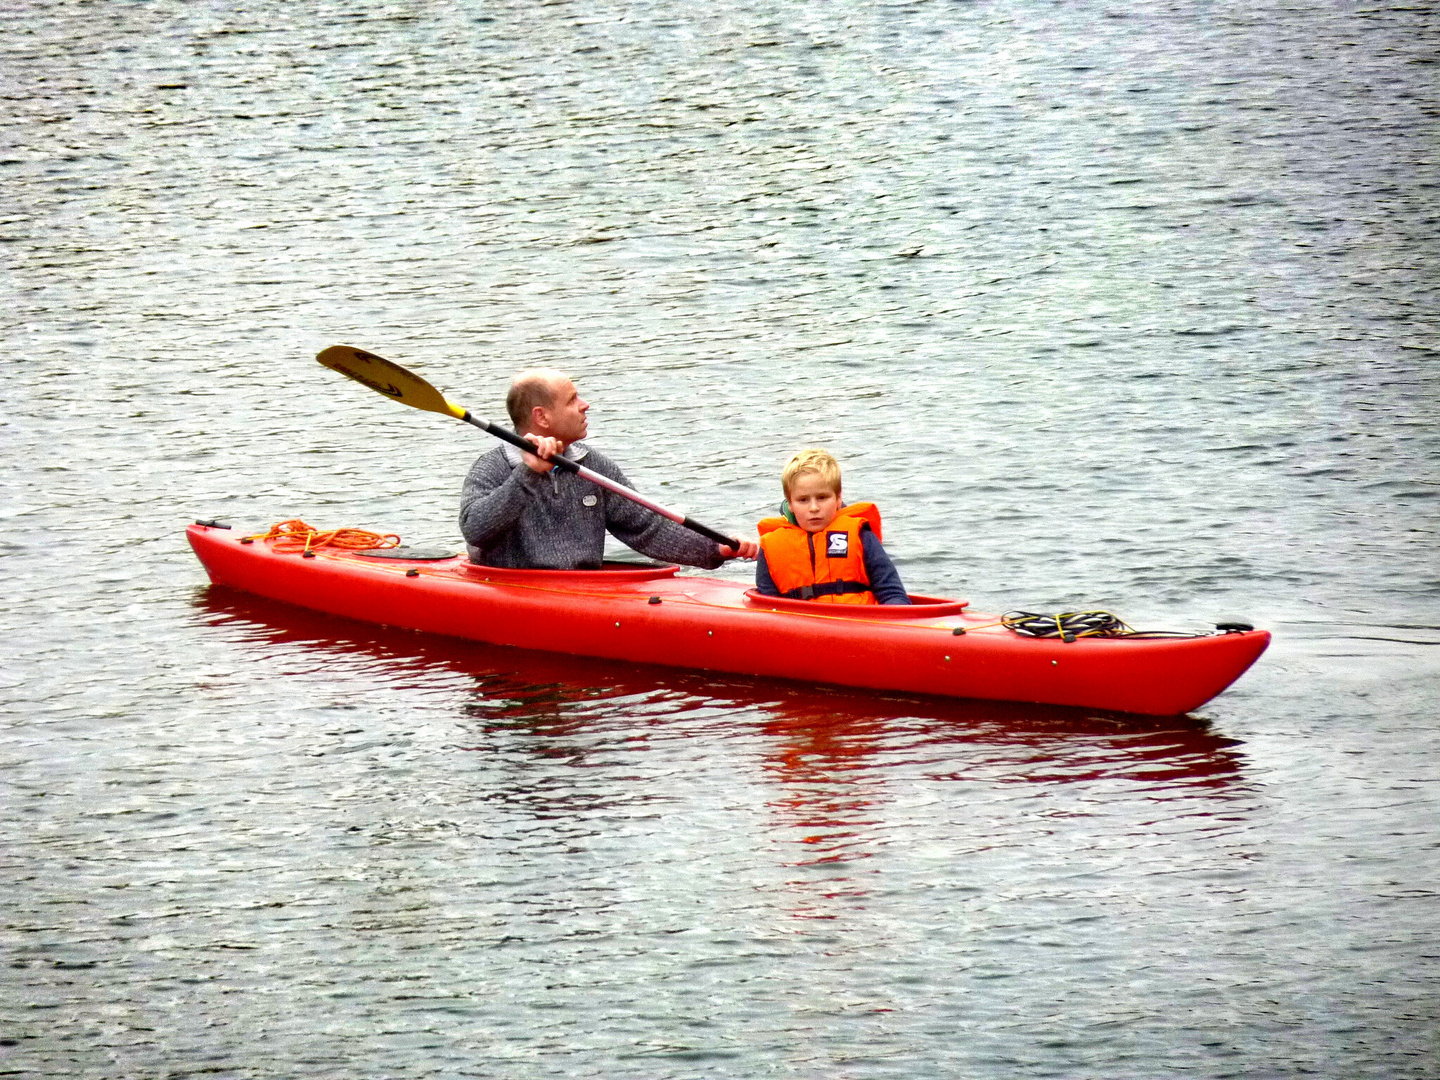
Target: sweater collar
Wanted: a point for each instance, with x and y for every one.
(575, 452)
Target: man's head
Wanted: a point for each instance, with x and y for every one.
(811, 480)
(543, 401)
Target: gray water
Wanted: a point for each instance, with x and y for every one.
(1124, 307)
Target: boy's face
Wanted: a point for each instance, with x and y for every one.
(813, 501)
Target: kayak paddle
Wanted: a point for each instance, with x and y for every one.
(406, 387)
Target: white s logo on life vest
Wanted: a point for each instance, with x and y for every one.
(837, 545)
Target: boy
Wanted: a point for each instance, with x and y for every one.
(821, 549)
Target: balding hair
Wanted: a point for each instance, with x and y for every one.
(531, 388)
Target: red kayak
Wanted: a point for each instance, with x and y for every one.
(652, 615)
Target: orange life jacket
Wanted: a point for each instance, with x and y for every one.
(828, 566)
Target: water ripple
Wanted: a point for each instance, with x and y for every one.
(1118, 308)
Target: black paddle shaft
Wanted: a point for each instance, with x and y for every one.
(605, 482)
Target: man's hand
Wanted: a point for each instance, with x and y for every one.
(748, 550)
(545, 447)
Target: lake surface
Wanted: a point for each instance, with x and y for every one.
(1132, 308)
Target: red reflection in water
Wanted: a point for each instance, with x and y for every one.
(823, 737)
(835, 755)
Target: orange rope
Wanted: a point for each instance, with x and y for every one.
(295, 536)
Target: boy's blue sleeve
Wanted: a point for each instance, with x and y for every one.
(884, 578)
(764, 583)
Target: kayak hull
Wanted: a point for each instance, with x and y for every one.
(651, 615)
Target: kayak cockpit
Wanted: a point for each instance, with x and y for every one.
(920, 607)
(406, 554)
(609, 573)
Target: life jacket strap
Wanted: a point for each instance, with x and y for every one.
(826, 588)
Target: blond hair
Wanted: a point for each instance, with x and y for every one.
(811, 461)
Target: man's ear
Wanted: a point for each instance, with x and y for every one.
(540, 420)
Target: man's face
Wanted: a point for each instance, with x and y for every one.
(566, 418)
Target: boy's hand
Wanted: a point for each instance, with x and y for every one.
(748, 550)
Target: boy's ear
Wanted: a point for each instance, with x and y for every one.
(786, 512)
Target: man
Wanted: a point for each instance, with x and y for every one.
(518, 510)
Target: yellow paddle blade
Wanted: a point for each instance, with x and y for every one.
(389, 379)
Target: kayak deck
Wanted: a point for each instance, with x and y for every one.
(650, 614)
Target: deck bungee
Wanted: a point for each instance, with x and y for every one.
(652, 615)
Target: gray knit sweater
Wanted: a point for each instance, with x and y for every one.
(512, 516)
